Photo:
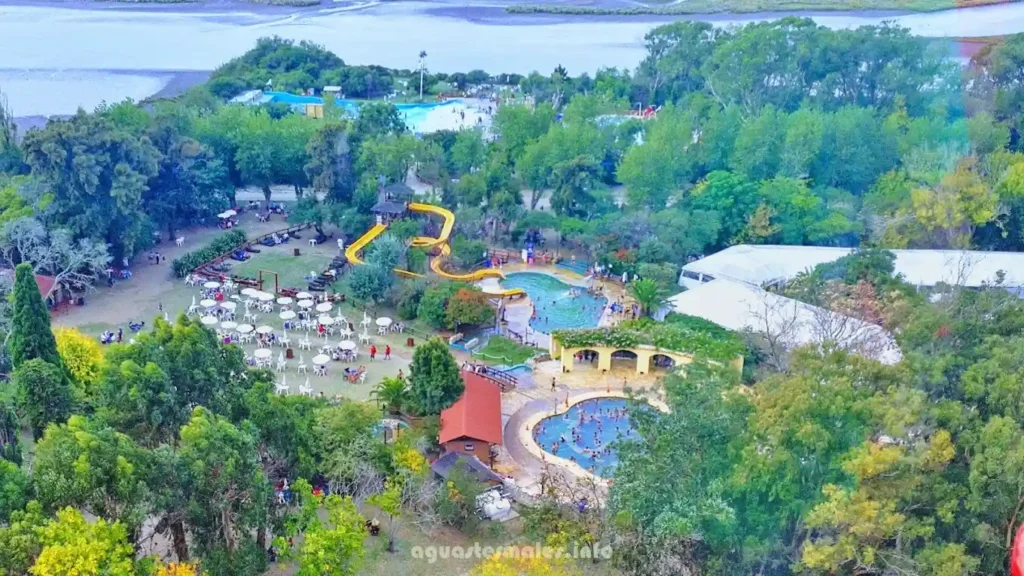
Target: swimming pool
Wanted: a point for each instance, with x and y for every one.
(554, 307)
(414, 113)
(585, 433)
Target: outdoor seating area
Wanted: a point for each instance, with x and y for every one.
(309, 332)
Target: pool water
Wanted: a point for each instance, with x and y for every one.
(554, 308)
(597, 424)
(414, 113)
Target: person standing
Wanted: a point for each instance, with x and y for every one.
(387, 352)
(552, 383)
(373, 352)
(120, 333)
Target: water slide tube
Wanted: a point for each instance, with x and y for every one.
(353, 250)
(446, 228)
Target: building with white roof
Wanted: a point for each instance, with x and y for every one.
(784, 323)
(770, 265)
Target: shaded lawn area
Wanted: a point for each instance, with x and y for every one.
(501, 350)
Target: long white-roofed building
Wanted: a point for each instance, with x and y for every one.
(771, 265)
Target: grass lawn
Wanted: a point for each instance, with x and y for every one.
(501, 350)
(291, 270)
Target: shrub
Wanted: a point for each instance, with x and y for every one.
(82, 356)
(468, 306)
(220, 245)
(409, 297)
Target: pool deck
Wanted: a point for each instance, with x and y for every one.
(518, 313)
(522, 409)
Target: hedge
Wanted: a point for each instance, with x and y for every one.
(223, 243)
(678, 333)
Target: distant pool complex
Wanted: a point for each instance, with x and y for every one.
(585, 433)
(555, 308)
(414, 113)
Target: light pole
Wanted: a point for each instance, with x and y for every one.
(423, 54)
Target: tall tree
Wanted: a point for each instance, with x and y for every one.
(30, 336)
(434, 379)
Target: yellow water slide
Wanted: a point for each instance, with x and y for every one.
(446, 228)
(353, 250)
(444, 250)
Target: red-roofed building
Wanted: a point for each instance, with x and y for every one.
(473, 423)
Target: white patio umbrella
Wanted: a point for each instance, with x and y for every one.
(366, 320)
(209, 320)
(280, 357)
(303, 296)
(245, 328)
(264, 297)
(321, 359)
(383, 321)
(228, 325)
(305, 304)
(284, 300)
(250, 291)
(207, 303)
(166, 317)
(228, 305)
(263, 353)
(211, 285)
(347, 345)
(286, 315)
(324, 307)
(264, 329)
(325, 320)
(230, 213)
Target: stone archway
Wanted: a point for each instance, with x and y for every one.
(662, 363)
(623, 358)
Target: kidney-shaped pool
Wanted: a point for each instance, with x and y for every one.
(557, 305)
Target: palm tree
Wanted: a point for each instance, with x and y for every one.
(391, 392)
(423, 55)
(648, 294)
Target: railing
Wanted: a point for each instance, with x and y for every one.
(503, 380)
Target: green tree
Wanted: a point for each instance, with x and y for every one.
(43, 393)
(20, 541)
(227, 493)
(30, 334)
(334, 547)
(91, 467)
(434, 379)
(661, 166)
(101, 196)
(15, 489)
(330, 167)
(468, 152)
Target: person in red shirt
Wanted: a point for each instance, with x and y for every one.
(387, 352)
(373, 352)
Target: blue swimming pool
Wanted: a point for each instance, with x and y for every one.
(412, 112)
(554, 307)
(586, 433)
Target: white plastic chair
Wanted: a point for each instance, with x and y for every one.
(284, 341)
(320, 370)
(301, 369)
(282, 386)
(306, 389)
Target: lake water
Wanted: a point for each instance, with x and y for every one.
(76, 49)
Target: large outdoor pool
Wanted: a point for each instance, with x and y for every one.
(554, 307)
(585, 433)
(414, 113)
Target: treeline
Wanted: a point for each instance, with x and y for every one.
(280, 64)
(173, 436)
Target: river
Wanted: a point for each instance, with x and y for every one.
(56, 58)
